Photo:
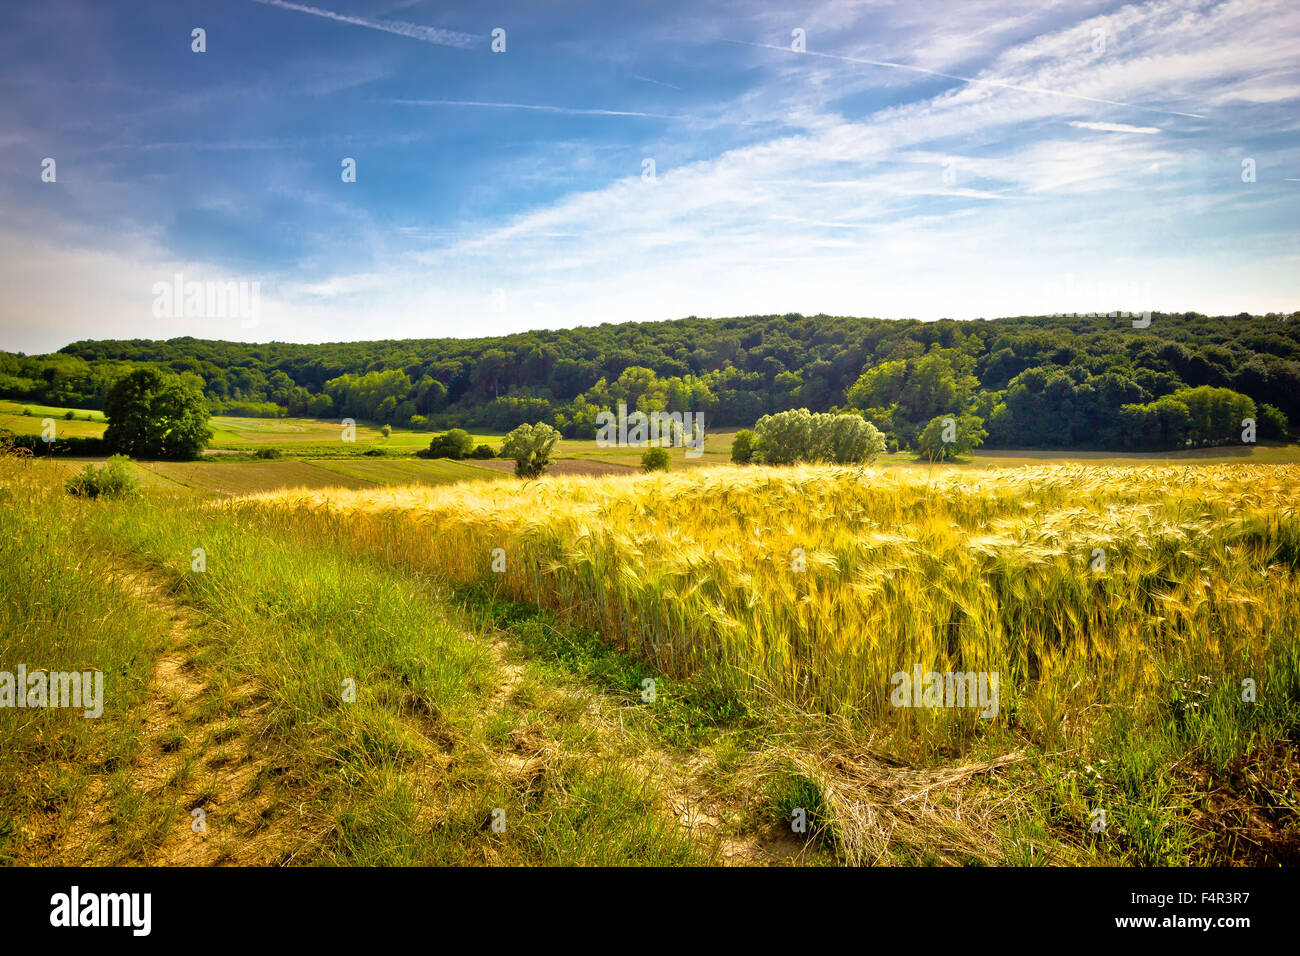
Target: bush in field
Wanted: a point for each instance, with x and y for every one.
(267, 453)
(152, 414)
(386, 430)
(784, 438)
(800, 435)
(846, 439)
(530, 446)
(742, 447)
(455, 443)
(114, 480)
(946, 437)
(483, 451)
(656, 459)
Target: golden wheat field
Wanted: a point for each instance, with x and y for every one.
(814, 585)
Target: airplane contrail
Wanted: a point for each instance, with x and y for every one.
(646, 79)
(402, 29)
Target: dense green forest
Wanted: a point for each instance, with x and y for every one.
(1066, 382)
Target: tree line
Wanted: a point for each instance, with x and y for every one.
(1030, 381)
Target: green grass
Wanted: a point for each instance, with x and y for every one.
(315, 439)
(215, 475)
(717, 450)
(408, 471)
(687, 713)
(63, 609)
(11, 407)
(84, 424)
(305, 436)
(410, 772)
(247, 477)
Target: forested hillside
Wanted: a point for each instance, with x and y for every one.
(1070, 381)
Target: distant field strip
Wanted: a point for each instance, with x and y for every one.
(567, 466)
(232, 432)
(248, 477)
(407, 471)
(816, 584)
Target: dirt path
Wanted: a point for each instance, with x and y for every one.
(210, 778)
(715, 823)
(200, 751)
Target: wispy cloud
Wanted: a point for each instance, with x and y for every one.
(783, 183)
(976, 81)
(567, 110)
(1114, 127)
(415, 31)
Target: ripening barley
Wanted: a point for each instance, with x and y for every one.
(992, 571)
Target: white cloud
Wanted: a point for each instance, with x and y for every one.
(1114, 127)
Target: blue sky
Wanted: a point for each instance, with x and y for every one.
(957, 159)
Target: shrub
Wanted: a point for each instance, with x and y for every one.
(386, 430)
(742, 447)
(656, 459)
(846, 439)
(530, 446)
(455, 443)
(946, 437)
(267, 453)
(483, 451)
(799, 435)
(115, 480)
(797, 797)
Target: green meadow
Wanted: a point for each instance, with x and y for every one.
(313, 454)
